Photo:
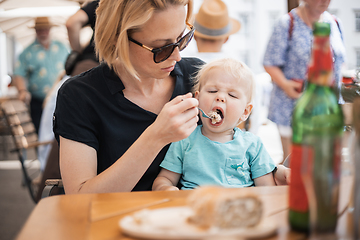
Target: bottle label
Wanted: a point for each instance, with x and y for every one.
(297, 196)
(321, 62)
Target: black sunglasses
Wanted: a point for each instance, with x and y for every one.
(163, 53)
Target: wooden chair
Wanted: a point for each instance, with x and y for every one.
(52, 187)
(25, 137)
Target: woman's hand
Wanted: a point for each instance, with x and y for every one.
(291, 88)
(177, 120)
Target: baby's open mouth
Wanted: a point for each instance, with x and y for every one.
(216, 116)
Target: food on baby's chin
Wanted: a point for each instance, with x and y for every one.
(215, 117)
(220, 208)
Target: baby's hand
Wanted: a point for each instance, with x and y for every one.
(169, 188)
(282, 175)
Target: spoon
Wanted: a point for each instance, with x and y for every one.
(203, 113)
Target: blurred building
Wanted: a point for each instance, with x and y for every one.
(349, 13)
(257, 18)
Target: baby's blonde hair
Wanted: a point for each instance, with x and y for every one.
(234, 67)
(116, 19)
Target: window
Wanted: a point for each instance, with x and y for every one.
(357, 57)
(273, 17)
(357, 21)
(244, 19)
(332, 11)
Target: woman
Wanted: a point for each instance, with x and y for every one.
(115, 122)
(287, 57)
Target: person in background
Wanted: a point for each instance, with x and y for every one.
(37, 68)
(217, 152)
(287, 57)
(81, 59)
(213, 27)
(114, 122)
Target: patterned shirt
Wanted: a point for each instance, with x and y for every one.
(41, 67)
(293, 56)
(232, 164)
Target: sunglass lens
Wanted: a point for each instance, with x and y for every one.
(185, 41)
(164, 54)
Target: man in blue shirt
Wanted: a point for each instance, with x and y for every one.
(37, 68)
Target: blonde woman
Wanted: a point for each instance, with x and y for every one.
(114, 122)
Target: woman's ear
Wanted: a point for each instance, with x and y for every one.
(196, 95)
(246, 113)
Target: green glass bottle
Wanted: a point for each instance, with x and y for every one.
(317, 124)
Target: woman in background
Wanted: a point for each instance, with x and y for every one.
(287, 56)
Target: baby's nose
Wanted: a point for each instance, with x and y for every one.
(220, 98)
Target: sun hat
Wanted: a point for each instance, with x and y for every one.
(213, 21)
(42, 22)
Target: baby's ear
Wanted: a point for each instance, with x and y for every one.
(196, 95)
(246, 113)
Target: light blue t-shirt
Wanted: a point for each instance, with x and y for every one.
(232, 164)
(41, 67)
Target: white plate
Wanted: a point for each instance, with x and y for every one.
(171, 223)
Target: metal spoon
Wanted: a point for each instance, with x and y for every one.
(203, 113)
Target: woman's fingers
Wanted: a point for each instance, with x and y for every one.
(178, 118)
(293, 89)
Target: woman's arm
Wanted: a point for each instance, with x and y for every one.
(166, 181)
(289, 87)
(78, 162)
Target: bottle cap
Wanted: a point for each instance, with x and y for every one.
(321, 29)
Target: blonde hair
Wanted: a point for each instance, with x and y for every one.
(116, 19)
(234, 67)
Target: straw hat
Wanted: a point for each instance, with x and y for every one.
(42, 22)
(213, 21)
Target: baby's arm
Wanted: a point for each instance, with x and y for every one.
(282, 175)
(265, 180)
(166, 181)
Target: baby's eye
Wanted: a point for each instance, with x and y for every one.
(232, 95)
(212, 91)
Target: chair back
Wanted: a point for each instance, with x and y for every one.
(22, 129)
(21, 126)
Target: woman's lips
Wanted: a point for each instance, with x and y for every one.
(168, 69)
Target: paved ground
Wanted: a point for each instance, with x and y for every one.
(15, 202)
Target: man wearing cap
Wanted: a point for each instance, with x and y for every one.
(37, 68)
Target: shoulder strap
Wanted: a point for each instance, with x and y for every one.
(291, 25)
(338, 25)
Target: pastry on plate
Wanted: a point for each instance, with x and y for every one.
(224, 208)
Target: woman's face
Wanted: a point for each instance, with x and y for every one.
(164, 27)
(318, 6)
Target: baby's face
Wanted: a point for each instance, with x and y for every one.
(225, 94)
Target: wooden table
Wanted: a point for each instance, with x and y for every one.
(74, 216)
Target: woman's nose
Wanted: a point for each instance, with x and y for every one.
(176, 54)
